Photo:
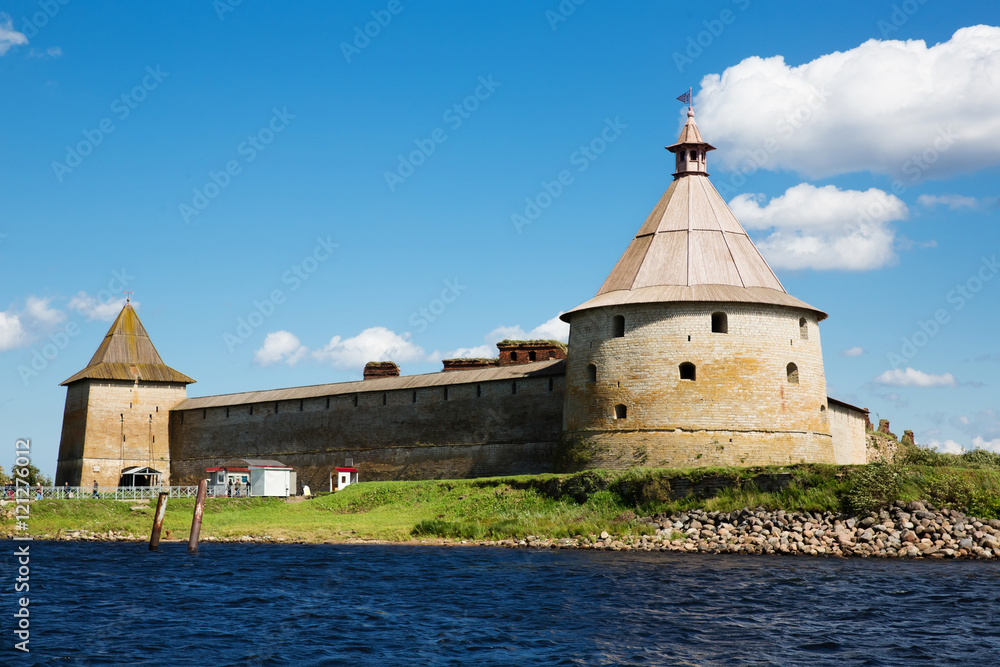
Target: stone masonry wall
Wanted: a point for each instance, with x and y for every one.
(848, 429)
(110, 425)
(482, 429)
(740, 410)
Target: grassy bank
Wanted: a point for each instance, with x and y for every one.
(551, 505)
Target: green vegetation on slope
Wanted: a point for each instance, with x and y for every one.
(550, 505)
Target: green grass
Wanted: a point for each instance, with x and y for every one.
(515, 507)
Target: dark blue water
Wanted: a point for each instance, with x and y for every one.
(102, 604)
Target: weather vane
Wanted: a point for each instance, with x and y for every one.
(128, 295)
(686, 98)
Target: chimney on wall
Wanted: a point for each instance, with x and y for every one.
(513, 352)
(381, 369)
(467, 364)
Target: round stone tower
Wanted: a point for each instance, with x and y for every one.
(692, 353)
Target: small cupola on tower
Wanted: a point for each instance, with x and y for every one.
(691, 150)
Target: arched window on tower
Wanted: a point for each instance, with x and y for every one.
(618, 326)
(720, 323)
(591, 373)
(687, 371)
(621, 412)
(792, 372)
(803, 329)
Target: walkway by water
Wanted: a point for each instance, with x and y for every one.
(114, 603)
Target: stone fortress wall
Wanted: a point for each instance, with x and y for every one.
(454, 424)
(627, 403)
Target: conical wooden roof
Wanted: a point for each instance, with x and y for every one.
(691, 247)
(127, 353)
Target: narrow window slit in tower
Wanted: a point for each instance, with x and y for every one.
(792, 372)
(591, 373)
(618, 326)
(551, 384)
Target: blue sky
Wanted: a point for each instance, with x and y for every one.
(371, 195)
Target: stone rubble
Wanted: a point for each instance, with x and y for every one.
(910, 530)
(906, 530)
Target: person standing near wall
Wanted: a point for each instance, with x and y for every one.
(95, 489)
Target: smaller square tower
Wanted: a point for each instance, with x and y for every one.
(118, 408)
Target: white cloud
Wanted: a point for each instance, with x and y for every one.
(993, 445)
(880, 107)
(553, 329)
(12, 333)
(914, 378)
(20, 327)
(92, 309)
(280, 346)
(38, 311)
(946, 447)
(373, 344)
(8, 36)
(51, 52)
(953, 202)
(853, 352)
(825, 227)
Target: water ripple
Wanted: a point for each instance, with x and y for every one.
(108, 604)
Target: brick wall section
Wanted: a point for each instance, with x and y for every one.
(381, 369)
(389, 436)
(740, 409)
(468, 364)
(114, 425)
(526, 351)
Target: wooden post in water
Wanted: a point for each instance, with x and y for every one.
(199, 509)
(161, 511)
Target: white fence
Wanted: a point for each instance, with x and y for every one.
(102, 492)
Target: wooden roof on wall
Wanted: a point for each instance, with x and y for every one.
(548, 368)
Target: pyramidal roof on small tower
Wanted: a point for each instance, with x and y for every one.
(691, 247)
(127, 353)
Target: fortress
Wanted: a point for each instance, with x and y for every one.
(680, 360)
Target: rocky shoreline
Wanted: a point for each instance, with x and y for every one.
(906, 530)
(910, 530)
